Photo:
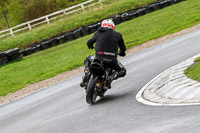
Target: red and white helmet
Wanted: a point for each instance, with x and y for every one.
(108, 23)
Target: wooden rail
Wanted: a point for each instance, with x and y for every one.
(46, 19)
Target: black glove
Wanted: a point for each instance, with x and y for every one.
(90, 47)
(122, 54)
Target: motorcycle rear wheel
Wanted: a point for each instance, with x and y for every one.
(91, 90)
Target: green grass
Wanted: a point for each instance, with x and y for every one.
(70, 22)
(193, 72)
(197, 59)
(45, 64)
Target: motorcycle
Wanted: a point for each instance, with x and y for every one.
(96, 80)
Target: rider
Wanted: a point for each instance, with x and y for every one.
(107, 43)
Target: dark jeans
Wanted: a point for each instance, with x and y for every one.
(114, 64)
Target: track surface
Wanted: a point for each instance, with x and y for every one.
(61, 108)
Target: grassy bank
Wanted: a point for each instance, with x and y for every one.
(193, 72)
(109, 8)
(48, 63)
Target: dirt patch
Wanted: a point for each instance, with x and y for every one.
(36, 86)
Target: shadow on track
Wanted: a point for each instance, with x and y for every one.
(110, 97)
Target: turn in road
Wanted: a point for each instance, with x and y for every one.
(61, 108)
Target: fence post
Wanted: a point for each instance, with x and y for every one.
(29, 26)
(82, 6)
(11, 32)
(64, 12)
(47, 19)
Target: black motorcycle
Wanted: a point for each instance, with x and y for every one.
(96, 80)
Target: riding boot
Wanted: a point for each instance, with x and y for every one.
(84, 78)
(114, 76)
(82, 84)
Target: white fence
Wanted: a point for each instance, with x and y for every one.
(48, 18)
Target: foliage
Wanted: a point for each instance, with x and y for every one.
(3, 12)
(15, 12)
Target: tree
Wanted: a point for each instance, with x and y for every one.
(3, 12)
(15, 12)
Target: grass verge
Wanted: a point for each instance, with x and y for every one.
(193, 72)
(45, 64)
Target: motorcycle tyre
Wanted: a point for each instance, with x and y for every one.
(91, 90)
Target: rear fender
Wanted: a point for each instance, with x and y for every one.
(94, 78)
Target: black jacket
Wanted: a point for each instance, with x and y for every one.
(107, 40)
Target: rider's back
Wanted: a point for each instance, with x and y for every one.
(107, 40)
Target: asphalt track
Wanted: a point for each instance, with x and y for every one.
(61, 108)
